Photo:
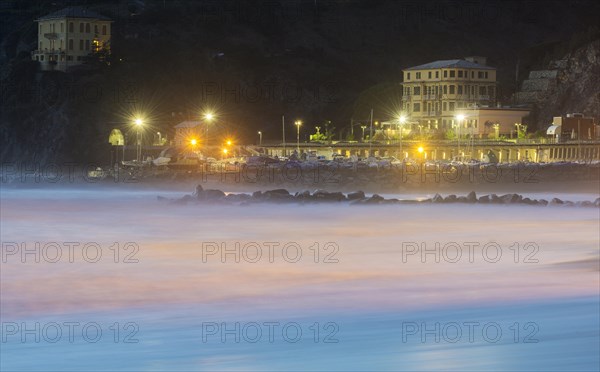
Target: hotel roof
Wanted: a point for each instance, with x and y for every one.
(74, 12)
(450, 63)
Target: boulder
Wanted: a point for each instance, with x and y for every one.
(257, 194)
(212, 194)
(472, 197)
(277, 192)
(597, 202)
(556, 201)
(495, 199)
(450, 198)
(485, 199)
(356, 195)
(511, 198)
(375, 199)
(437, 198)
(462, 199)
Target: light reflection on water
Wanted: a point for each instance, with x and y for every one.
(368, 293)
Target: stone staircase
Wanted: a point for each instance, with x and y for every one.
(539, 85)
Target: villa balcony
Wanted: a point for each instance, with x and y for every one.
(51, 36)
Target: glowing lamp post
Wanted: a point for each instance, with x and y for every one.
(459, 119)
(259, 138)
(401, 121)
(298, 124)
(138, 124)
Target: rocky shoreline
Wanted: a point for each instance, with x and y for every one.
(281, 196)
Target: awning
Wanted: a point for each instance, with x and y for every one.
(553, 130)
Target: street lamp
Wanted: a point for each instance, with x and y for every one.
(363, 127)
(259, 138)
(298, 124)
(138, 124)
(401, 120)
(459, 119)
(208, 117)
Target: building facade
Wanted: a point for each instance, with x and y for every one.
(493, 122)
(69, 35)
(435, 93)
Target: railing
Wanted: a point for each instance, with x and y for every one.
(51, 36)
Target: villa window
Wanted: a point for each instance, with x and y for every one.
(460, 73)
(437, 74)
(451, 106)
(417, 91)
(71, 26)
(80, 44)
(62, 27)
(452, 73)
(452, 89)
(445, 89)
(445, 73)
(416, 107)
(70, 44)
(418, 75)
(460, 89)
(80, 27)
(445, 106)
(429, 75)
(407, 74)
(87, 45)
(87, 28)
(104, 33)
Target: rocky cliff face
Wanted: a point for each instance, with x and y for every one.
(575, 86)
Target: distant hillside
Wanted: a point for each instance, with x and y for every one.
(255, 61)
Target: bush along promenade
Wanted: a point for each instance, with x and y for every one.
(281, 196)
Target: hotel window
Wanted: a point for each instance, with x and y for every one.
(87, 28)
(408, 76)
(80, 27)
(445, 73)
(429, 75)
(71, 27)
(80, 44)
(472, 74)
(70, 44)
(451, 89)
(452, 73)
(416, 107)
(451, 104)
(445, 89)
(460, 73)
(479, 74)
(460, 89)
(437, 74)
(418, 75)
(104, 33)
(417, 91)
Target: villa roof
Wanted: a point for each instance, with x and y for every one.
(74, 12)
(449, 63)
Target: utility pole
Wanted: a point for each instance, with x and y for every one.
(283, 132)
(371, 135)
